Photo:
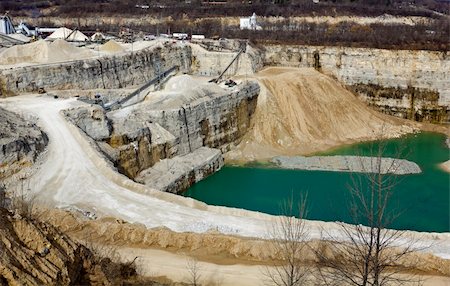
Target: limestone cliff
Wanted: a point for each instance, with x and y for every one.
(20, 143)
(120, 71)
(169, 126)
(408, 84)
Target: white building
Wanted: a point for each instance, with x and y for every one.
(249, 23)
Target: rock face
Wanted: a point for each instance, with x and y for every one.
(179, 173)
(20, 143)
(348, 164)
(91, 120)
(172, 128)
(207, 62)
(410, 103)
(408, 84)
(36, 253)
(105, 72)
(151, 131)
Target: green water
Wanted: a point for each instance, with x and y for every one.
(423, 199)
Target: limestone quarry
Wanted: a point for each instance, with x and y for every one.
(111, 134)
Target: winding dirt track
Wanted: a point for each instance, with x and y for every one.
(75, 174)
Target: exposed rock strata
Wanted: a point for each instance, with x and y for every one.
(383, 78)
(91, 120)
(36, 253)
(20, 143)
(151, 131)
(355, 164)
(126, 70)
(181, 172)
(174, 127)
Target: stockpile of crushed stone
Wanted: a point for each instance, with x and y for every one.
(111, 47)
(42, 52)
(68, 34)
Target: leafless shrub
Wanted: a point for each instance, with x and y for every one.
(369, 254)
(289, 238)
(193, 270)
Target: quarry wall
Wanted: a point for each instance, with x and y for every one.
(407, 84)
(170, 148)
(119, 71)
(21, 142)
(213, 62)
(148, 135)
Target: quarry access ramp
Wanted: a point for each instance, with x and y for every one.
(141, 90)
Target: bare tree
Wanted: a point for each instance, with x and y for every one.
(288, 237)
(369, 254)
(194, 271)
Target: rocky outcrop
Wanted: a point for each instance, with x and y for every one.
(179, 173)
(130, 69)
(139, 145)
(409, 103)
(409, 84)
(91, 120)
(357, 164)
(20, 143)
(36, 253)
(151, 131)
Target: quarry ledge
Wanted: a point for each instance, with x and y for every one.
(356, 164)
(179, 173)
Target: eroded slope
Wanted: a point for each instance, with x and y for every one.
(301, 111)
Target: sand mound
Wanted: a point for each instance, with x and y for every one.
(68, 34)
(111, 47)
(301, 111)
(181, 82)
(42, 52)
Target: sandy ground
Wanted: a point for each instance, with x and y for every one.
(152, 262)
(160, 251)
(301, 111)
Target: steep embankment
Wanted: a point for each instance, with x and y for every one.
(404, 83)
(218, 250)
(301, 111)
(36, 253)
(20, 143)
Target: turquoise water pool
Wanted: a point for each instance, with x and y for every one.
(423, 199)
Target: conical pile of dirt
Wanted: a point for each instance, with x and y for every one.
(68, 34)
(111, 47)
(29, 53)
(63, 51)
(43, 52)
(301, 111)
